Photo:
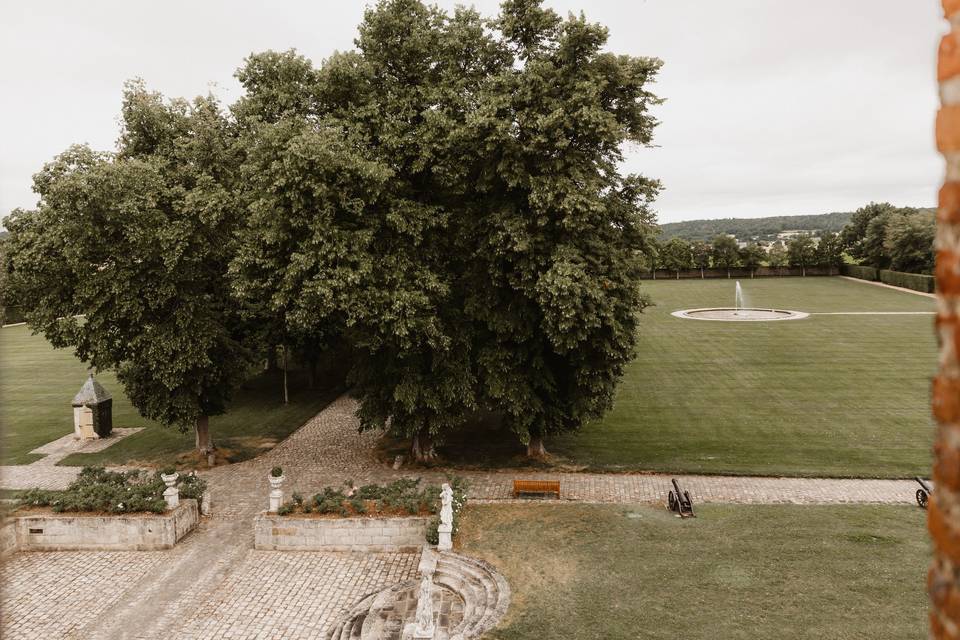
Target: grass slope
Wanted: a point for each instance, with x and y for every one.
(829, 395)
(38, 383)
(626, 572)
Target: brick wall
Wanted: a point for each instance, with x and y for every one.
(943, 520)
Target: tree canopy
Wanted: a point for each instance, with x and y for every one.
(446, 199)
(126, 258)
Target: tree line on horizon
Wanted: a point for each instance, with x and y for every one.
(445, 203)
(878, 234)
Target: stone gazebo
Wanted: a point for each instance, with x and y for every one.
(92, 411)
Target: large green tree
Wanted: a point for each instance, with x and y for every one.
(802, 252)
(752, 256)
(554, 276)
(725, 254)
(909, 242)
(829, 252)
(125, 259)
(855, 232)
(677, 255)
(701, 255)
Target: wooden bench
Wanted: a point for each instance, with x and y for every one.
(536, 486)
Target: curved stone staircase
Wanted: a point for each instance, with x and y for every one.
(479, 595)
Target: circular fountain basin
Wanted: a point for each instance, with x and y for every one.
(722, 314)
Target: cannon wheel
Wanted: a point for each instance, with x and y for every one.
(672, 501)
(922, 498)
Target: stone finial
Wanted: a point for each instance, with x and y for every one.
(172, 493)
(276, 492)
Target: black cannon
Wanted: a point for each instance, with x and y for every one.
(679, 501)
(923, 494)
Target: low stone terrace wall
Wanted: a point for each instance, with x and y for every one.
(36, 531)
(299, 533)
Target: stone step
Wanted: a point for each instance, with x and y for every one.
(479, 575)
(484, 592)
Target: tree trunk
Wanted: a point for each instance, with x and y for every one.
(286, 394)
(535, 448)
(701, 273)
(678, 275)
(421, 449)
(202, 428)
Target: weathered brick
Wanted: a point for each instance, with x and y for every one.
(948, 129)
(948, 58)
(948, 209)
(948, 272)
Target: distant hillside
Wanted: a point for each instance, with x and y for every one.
(748, 228)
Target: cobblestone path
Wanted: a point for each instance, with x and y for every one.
(328, 450)
(215, 585)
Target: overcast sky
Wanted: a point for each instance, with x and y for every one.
(772, 108)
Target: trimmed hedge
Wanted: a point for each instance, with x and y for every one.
(860, 271)
(915, 281)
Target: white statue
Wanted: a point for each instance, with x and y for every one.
(424, 628)
(445, 530)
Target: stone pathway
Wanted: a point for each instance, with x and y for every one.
(215, 585)
(45, 474)
(328, 450)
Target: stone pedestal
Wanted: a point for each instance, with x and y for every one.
(276, 493)
(446, 537)
(172, 493)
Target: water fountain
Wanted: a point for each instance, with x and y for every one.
(739, 312)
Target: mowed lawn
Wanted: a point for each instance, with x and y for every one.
(831, 395)
(38, 382)
(601, 572)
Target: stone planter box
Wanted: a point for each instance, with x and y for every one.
(298, 533)
(8, 537)
(77, 532)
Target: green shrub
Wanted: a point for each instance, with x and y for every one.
(859, 271)
(191, 486)
(276, 472)
(297, 498)
(97, 489)
(915, 281)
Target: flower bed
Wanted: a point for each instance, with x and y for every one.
(393, 517)
(97, 490)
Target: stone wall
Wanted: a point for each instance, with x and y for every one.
(8, 537)
(133, 532)
(943, 519)
(739, 273)
(293, 533)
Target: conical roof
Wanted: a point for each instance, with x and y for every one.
(92, 392)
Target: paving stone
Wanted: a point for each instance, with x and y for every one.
(215, 585)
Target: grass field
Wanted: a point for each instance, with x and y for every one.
(597, 572)
(830, 395)
(38, 382)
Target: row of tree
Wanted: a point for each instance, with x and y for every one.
(677, 254)
(888, 237)
(445, 200)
